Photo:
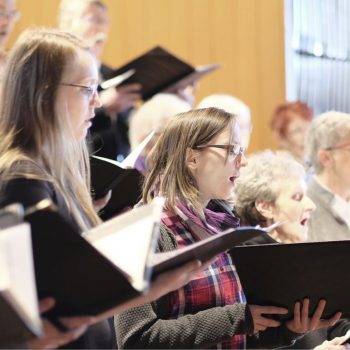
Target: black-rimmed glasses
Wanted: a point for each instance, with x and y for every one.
(234, 149)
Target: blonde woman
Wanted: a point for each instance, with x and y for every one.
(196, 162)
(49, 96)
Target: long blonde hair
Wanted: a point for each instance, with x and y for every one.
(169, 175)
(31, 130)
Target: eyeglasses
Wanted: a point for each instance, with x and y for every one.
(99, 20)
(88, 91)
(234, 149)
(343, 146)
(9, 15)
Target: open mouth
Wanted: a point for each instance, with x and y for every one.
(88, 122)
(304, 221)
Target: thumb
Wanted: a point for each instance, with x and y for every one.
(46, 304)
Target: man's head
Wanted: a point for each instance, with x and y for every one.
(8, 17)
(87, 18)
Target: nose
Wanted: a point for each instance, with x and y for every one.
(241, 160)
(96, 101)
(309, 204)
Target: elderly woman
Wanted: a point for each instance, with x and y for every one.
(272, 189)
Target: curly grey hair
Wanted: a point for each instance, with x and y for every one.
(262, 179)
(326, 131)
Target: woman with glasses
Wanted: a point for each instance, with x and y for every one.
(48, 99)
(195, 164)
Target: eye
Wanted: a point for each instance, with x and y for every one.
(88, 90)
(232, 151)
(298, 196)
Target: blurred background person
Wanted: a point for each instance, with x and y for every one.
(235, 106)
(272, 189)
(290, 122)
(328, 150)
(153, 116)
(9, 15)
(89, 19)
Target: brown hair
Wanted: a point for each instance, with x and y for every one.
(169, 175)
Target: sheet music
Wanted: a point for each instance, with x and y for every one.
(16, 250)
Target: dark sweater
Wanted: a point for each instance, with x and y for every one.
(29, 192)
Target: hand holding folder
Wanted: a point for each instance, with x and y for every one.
(122, 178)
(281, 274)
(111, 264)
(158, 70)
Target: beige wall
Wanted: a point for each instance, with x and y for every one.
(246, 36)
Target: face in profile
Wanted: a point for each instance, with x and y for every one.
(216, 169)
(293, 207)
(8, 17)
(77, 95)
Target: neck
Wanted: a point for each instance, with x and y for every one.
(334, 185)
(283, 238)
(204, 202)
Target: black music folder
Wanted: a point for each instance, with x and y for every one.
(122, 178)
(158, 70)
(206, 248)
(19, 313)
(281, 274)
(108, 175)
(91, 273)
(112, 263)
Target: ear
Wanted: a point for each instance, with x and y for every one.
(191, 158)
(324, 157)
(265, 208)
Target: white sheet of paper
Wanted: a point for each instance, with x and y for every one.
(128, 239)
(16, 250)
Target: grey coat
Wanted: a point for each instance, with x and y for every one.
(324, 223)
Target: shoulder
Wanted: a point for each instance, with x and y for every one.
(319, 194)
(26, 191)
